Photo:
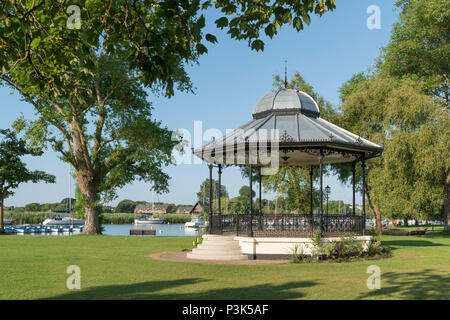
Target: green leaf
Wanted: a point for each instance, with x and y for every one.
(206, 4)
(257, 45)
(222, 22)
(307, 19)
(35, 42)
(201, 48)
(298, 24)
(270, 30)
(211, 38)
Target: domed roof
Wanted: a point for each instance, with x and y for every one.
(288, 123)
(286, 101)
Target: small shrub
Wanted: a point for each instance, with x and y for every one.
(197, 241)
(331, 249)
(317, 250)
(348, 248)
(371, 231)
(297, 255)
(375, 248)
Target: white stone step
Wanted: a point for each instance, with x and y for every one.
(217, 247)
(215, 237)
(217, 244)
(213, 257)
(232, 251)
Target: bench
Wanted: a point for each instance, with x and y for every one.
(418, 231)
(143, 232)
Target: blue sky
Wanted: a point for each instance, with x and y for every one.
(229, 81)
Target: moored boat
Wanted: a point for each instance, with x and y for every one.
(10, 229)
(55, 229)
(67, 229)
(62, 221)
(77, 229)
(8, 222)
(196, 222)
(148, 219)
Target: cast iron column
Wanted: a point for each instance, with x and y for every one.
(363, 168)
(260, 196)
(354, 187)
(311, 191)
(321, 191)
(210, 199)
(250, 226)
(219, 171)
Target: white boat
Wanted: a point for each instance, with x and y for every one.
(148, 219)
(196, 222)
(56, 229)
(20, 230)
(77, 229)
(62, 221)
(8, 222)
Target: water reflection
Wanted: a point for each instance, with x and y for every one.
(162, 230)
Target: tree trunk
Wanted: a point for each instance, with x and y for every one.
(2, 227)
(88, 189)
(447, 203)
(91, 223)
(376, 210)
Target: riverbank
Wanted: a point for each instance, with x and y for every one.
(106, 218)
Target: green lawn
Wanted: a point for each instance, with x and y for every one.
(410, 228)
(115, 267)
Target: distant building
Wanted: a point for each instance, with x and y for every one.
(184, 209)
(149, 208)
(197, 209)
(358, 208)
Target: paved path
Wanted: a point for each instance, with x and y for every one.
(180, 256)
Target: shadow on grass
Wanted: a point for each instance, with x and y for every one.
(151, 290)
(412, 286)
(412, 243)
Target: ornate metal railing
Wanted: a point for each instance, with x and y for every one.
(288, 225)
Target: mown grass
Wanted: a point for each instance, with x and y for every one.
(116, 267)
(411, 228)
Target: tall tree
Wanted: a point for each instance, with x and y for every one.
(203, 194)
(85, 74)
(12, 170)
(420, 48)
(420, 45)
(126, 206)
(242, 202)
(109, 137)
(397, 114)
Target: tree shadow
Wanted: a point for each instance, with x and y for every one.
(412, 286)
(411, 243)
(151, 290)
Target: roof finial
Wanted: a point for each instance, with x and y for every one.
(285, 74)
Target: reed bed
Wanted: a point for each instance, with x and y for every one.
(106, 218)
(30, 217)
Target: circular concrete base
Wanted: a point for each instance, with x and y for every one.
(180, 256)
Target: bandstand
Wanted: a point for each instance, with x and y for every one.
(286, 130)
